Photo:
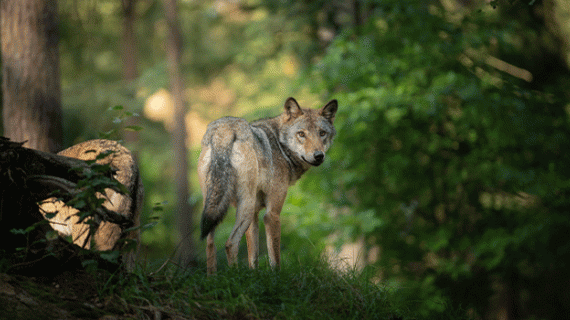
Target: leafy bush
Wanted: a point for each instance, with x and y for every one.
(455, 169)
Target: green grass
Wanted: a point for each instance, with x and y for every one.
(299, 290)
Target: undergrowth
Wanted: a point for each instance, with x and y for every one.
(299, 290)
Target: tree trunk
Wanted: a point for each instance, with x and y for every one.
(130, 60)
(129, 43)
(30, 73)
(179, 136)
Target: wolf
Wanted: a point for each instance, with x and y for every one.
(251, 166)
(64, 219)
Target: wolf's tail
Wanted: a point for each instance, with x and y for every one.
(220, 186)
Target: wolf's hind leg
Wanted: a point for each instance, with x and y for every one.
(244, 217)
(252, 237)
(211, 254)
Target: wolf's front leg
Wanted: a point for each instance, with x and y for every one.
(252, 238)
(273, 234)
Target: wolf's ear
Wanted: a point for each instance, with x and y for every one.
(329, 110)
(292, 108)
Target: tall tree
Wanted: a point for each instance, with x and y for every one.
(179, 134)
(128, 44)
(30, 73)
(129, 57)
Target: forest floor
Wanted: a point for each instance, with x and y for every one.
(65, 296)
(307, 292)
(299, 290)
(69, 296)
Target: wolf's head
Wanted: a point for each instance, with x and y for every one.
(308, 133)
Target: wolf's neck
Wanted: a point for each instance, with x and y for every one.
(296, 165)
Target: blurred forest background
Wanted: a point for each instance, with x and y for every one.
(448, 175)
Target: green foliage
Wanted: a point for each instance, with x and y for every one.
(22, 253)
(88, 201)
(456, 170)
(121, 121)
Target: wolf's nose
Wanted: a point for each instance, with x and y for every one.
(319, 156)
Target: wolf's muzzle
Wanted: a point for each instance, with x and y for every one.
(317, 160)
(319, 157)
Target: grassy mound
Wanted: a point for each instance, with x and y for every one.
(299, 290)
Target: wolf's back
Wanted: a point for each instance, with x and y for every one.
(220, 179)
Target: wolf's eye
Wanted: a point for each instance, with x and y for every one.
(322, 133)
(301, 134)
